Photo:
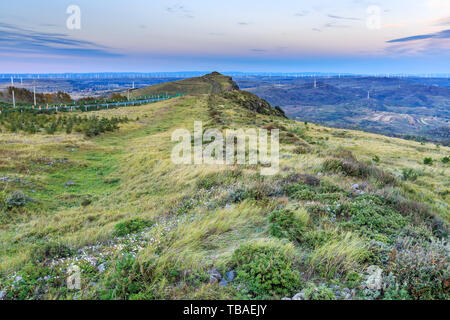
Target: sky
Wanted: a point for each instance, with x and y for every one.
(354, 36)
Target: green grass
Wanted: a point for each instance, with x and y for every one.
(165, 226)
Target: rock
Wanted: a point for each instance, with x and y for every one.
(231, 275)
(17, 278)
(374, 278)
(101, 268)
(286, 298)
(214, 276)
(2, 295)
(70, 183)
(223, 282)
(355, 186)
(242, 287)
(299, 296)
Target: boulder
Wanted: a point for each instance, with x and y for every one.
(374, 278)
(214, 276)
(299, 296)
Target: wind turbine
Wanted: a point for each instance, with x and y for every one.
(13, 97)
(34, 93)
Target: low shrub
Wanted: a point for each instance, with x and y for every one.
(32, 281)
(424, 268)
(125, 279)
(313, 292)
(428, 161)
(302, 150)
(50, 250)
(266, 268)
(409, 174)
(16, 199)
(373, 217)
(351, 167)
(131, 226)
(288, 224)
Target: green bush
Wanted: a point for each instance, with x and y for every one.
(16, 199)
(445, 160)
(266, 268)
(373, 217)
(131, 226)
(351, 167)
(428, 161)
(51, 122)
(29, 283)
(125, 280)
(313, 292)
(50, 250)
(2, 199)
(394, 290)
(286, 224)
(409, 174)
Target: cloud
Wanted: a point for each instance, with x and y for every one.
(258, 50)
(442, 22)
(19, 40)
(445, 34)
(301, 13)
(343, 18)
(435, 44)
(335, 25)
(316, 30)
(180, 10)
(243, 23)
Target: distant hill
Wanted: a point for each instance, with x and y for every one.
(211, 83)
(397, 107)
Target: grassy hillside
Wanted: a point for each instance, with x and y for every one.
(210, 83)
(140, 227)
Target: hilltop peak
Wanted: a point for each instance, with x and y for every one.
(213, 82)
